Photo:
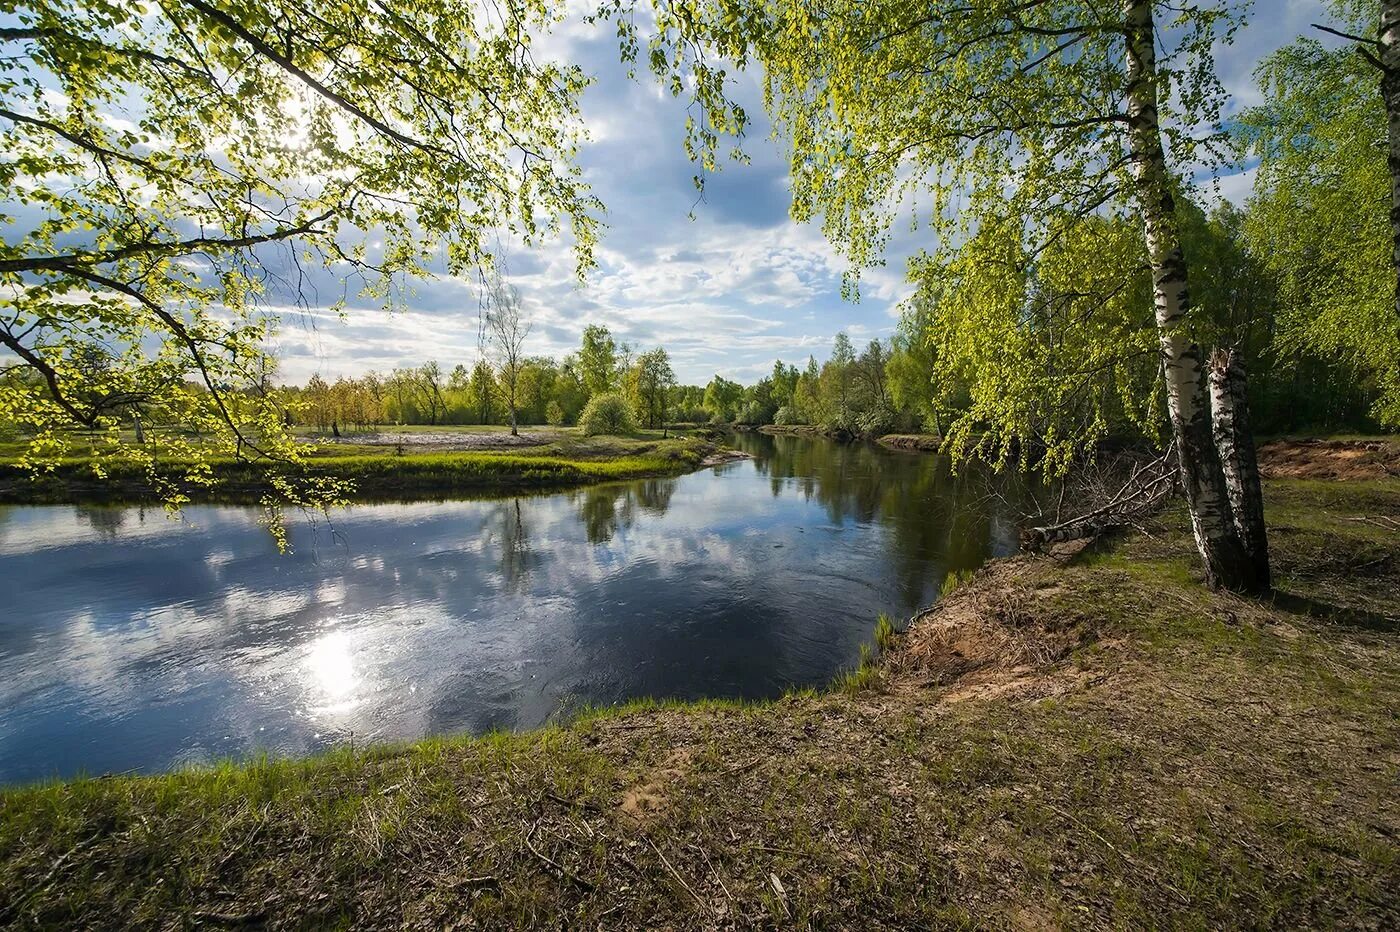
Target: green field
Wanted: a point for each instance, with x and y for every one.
(381, 471)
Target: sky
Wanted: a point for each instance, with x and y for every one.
(726, 292)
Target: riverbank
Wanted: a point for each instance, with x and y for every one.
(397, 465)
(924, 443)
(1085, 740)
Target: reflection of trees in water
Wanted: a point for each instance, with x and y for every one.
(604, 509)
(103, 519)
(654, 495)
(598, 510)
(938, 520)
(514, 540)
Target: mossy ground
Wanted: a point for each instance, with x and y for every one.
(1175, 759)
(567, 458)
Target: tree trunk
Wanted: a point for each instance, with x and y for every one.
(1202, 479)
(1390, 94)
(140, 434)
(1234, 443)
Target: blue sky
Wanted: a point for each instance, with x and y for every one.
(727, 292)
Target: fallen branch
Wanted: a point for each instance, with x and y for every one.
(1148, 488)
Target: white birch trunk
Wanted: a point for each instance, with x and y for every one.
(1390, 94)
(1234, 442)
(1182, 365)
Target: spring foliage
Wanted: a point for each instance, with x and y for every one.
(174, 168)
(607, 413)
(1319, 218)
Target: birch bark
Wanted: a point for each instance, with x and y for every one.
(1390, 93)
(1202, 479)
(1234, 443)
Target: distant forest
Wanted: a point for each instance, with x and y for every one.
(1297, 380)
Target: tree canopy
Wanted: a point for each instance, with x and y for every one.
(176, 167)
(1320, 214)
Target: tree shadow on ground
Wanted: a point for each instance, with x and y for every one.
(1334, 614)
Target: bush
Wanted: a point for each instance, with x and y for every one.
(878, 421)
(607, 413)
(554, 414)
(785, 415)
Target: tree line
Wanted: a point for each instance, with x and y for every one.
(512, 388)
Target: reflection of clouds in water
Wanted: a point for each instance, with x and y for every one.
(448, 616)
(28, 530)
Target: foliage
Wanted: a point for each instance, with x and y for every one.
(1001, 128)
(597, 359)
(723, 398)
(1053, 348)
(607, 413)
(167, 167)
(1319, 219)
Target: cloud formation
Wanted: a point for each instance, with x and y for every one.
(727, 283)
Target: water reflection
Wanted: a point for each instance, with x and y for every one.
(332, 671)
(134, 641)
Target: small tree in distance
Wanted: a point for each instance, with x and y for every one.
(504, 329)
(655, 379)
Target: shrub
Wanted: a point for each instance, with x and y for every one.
(786, 415)
(606, 413)
(554, 414)
(881, 419)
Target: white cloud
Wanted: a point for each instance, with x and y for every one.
(726, 292)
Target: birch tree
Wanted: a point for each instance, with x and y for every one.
(1017, 119)
(504, 329)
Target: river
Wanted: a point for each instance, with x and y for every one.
(131, 641)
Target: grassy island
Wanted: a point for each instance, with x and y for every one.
(395, 463)
(1092, 739)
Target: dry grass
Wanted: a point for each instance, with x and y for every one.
(1129, 751)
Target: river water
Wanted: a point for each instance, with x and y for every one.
(130, 641)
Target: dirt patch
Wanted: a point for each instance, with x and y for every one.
(643, 801)
(1329, 459)
(720, 457)
(927, 443)
(424, 441)
(987, 636)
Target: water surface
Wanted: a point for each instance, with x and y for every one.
(130, 641)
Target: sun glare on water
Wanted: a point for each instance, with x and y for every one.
(331, 668)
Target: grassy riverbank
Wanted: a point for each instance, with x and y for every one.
(1092, 740)
(386, 466)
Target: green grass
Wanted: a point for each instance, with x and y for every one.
(381, 472)
(1196, 760)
